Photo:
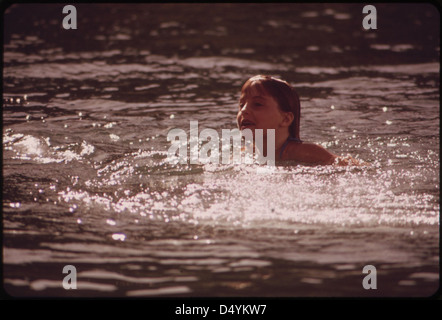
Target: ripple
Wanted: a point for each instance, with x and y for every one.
(108, 275)
(28, 147)
(173, 290)
(217, 62)
(43, 284)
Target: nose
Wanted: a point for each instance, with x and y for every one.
(244, 109)
(241, 113)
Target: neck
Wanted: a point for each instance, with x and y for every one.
(279, 141)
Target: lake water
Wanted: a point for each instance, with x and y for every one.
(86, 183)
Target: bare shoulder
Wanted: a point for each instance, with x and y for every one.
(309, 153)
(313, 154)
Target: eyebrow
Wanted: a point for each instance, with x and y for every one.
(246, 95)
(242, 98)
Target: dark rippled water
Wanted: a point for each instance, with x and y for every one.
(86, 183)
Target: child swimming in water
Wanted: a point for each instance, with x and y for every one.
(270, 103)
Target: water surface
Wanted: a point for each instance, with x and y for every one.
(86, 183)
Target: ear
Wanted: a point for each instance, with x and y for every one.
(287, 119)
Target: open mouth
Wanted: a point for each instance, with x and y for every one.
(246, 123)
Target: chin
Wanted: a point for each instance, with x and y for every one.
(251, 128)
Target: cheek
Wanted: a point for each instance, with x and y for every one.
(267, 121)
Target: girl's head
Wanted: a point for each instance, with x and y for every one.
(267, 102)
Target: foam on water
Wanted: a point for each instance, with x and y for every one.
(144, 184)
(40, 150)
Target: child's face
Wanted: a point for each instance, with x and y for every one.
(258, 110)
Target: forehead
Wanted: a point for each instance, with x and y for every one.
(254, 90)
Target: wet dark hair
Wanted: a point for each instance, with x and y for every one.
(282, 92)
